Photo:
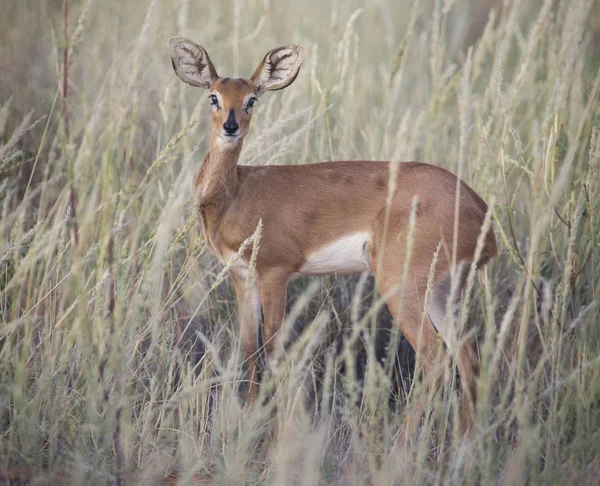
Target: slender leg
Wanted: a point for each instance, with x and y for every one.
(466, 357)
(427, 343)
(273, 293)
(468, 369)
(418, 329)
(406, 306)
(249, 315)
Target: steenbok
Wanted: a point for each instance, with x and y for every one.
(332, 217)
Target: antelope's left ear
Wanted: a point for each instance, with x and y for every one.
(278, 69)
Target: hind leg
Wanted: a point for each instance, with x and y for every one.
(421, 334)
(468, 369)
(426, 330)
(406, 304)
(444, 294)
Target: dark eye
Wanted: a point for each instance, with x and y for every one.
(250, 104)
(214, 101)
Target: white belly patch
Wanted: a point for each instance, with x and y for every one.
(347, 255)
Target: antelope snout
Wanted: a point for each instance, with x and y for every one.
(231, 126)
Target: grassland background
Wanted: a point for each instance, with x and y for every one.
(118, 338)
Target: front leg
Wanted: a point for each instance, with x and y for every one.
(249, 306)
(273, 293)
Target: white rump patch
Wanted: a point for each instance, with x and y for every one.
(347, 255)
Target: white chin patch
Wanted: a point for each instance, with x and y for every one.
(225, 141)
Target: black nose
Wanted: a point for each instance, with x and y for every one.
(231, 125)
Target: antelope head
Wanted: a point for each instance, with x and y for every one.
(232, 99)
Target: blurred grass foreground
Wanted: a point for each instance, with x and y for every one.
(119, 357)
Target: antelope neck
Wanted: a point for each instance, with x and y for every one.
(218, 176)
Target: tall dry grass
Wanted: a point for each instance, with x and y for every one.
(118, 345)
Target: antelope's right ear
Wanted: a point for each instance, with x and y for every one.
(191, 62)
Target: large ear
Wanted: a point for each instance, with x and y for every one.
(278, 69)
(191, 62)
